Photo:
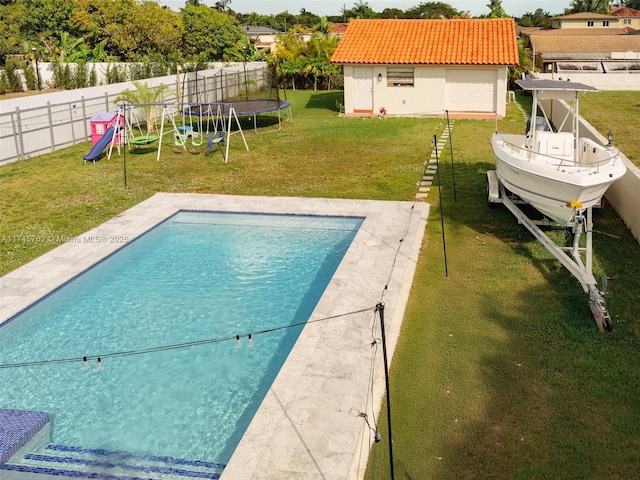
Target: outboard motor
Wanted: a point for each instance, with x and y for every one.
(541, 125)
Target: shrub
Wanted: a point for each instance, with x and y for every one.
(115, 74)
(11, 79)
(30, 76)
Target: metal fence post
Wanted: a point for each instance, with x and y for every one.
(84, 117)
(17, 132)
(50, 117)
(73, 130)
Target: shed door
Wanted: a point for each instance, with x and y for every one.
(363, 98)
(471, 90)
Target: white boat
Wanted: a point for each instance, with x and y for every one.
(558, 172)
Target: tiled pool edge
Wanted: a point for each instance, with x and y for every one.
(303, 429)
(18, 429)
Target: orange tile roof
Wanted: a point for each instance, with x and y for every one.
(429, 42)
(338, 28)
(625, 12)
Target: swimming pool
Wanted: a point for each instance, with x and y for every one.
(303, 424)
(196, 277)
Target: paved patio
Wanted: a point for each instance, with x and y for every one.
(303, 429)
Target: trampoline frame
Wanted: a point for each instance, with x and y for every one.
(249, 108)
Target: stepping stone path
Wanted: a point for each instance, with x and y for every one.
(431, 165)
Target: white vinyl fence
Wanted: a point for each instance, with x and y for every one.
(38, 124)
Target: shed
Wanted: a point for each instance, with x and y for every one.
(427, 67)
(100, 123)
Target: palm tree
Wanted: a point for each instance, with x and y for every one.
(323, 26)
(363, 10)
(222, 5)
(149, 101)
(593, 6)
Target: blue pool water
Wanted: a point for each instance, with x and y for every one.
(196, 276)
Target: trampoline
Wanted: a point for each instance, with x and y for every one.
(251, 108)
(254, 107)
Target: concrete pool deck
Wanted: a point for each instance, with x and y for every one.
(303, 429)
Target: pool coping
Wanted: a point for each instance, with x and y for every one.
(303, 428)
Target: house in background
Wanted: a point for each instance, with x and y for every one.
(338, 29)
(628, 18)
(589, 43)
(584, 20)
(427, 67)
(263, 38)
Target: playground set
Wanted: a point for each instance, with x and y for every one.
(203, 125)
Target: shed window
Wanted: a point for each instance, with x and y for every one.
(400, 76)
(605, 23)
(626, 21)
(589, 23)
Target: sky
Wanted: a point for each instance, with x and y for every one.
(514, 8)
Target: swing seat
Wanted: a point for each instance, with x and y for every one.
(144, 140)
(215, 141)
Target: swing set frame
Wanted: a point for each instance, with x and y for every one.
(223, 115)
(127, 110)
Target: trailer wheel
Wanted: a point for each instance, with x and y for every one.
(601, 316)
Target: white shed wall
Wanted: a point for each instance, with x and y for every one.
(427, 97)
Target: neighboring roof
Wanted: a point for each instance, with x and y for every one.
(577, 44)
(586, 32)
(625, 12)
(338, 28)
(257, 30)
(429, 42)
(585, 16)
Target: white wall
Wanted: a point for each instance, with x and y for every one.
(427, 97)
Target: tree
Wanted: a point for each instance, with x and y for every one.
(593, 6)
(141, 29)
(362, 10)
(283, 21)
(524, 59)
(496, 10)
(150, 98)
(433, 10)
(392, 13)
(322, 26)
(222, 5)
(243, 51)
(207, 33)
(10, 37)
(44, 19)
(306, 19)
(318, 55)
(539, 18)
(71, 49)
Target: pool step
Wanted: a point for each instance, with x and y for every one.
(76, 462)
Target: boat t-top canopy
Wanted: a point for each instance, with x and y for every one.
(554, 89)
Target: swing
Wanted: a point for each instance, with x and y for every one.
(185, 131)
(142, 140)
(149, 138)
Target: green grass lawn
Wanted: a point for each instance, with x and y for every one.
(499, 373)
(618, 112)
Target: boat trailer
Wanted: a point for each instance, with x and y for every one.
(569, 257)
